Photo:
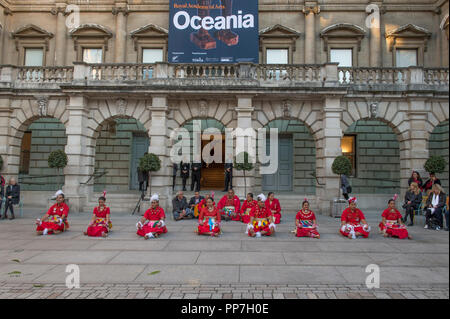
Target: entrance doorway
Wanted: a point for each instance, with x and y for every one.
(139, 147)
(282, 179)
(213, 174)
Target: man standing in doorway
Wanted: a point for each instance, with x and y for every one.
(196, 175)
(228, 176)
(184, 167)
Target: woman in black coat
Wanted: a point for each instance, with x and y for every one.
(415, 178)
(413, 199)
(12, 194)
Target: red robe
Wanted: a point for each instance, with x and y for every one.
(258, 212)
(246, 209)
(275, 205)
(354, 219)
(152, 216)
(204, 216)
(56, 213)
(99, 225)
(307, 218)
(235, 202)
(393, 229)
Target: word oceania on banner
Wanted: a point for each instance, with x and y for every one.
(219, 23)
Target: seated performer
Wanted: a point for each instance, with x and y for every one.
(261, 219)
(55, 220)
(209, 219)
(274, 205)
(152, 223)
(353, 222)
(229, 206)
(392, 223)
(247, 207)
(306, 222)
(100, 224)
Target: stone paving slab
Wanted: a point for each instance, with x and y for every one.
(156, 257)
(241, 258)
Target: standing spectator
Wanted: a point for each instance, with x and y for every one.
(413, 198)
(345, 186)
(446, 214)
(142, 179)
(12, 195)
(184, 173)
(228, 176)
(196, 176)
(415, 178)
(180, 205)
(434, 206)
(2, 191)
(430, 182)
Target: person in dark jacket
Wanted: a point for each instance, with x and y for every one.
(197, 198)
(415, 178)
(228, 176)
(196, 176)
(430, 182)
(180, 205)
(12, 194)
(434, 207)
(184, 173)
(143, 179)
(2, 191)
(413, 199)
(345, 186)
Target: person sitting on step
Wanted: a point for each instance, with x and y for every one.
(152, 224)
(229, 206)
(55, 220)
(209, 219)
(274, 206)
(353, 222)
(247, 207)
(261, 219)
(100, 224)
(413, 199)
(306, 222)
(392, 224)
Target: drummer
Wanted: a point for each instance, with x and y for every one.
(229, 206)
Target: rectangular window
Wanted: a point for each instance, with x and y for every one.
(152, 55)
(406, 57)
(348, 146)
(25, 151)
(277, 56)
(342, 56)
(92, 55)
(34, 57)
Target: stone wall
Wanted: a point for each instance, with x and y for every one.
(47, 135)
(377, 158)
(438, 145)
(113, 155)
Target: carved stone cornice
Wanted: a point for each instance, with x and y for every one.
(117, 10)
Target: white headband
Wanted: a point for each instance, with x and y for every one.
(154, 197)
(261, 197)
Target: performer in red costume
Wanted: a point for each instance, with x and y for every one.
(55, 220)
(353, 222)
(306, 222)
(274, 205)
(247, 207)
(392, 224)
(261, 220)
(229, 206)
(152, 223)
(100, 224)
(209, 220)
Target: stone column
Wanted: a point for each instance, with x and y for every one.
(373, 22)
(310, 10)
(10, 163)
(121, 12)
(80, 153)
(5, 57)
(61, 34)
(244, 111)
(161, 181)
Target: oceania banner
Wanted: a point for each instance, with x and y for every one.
(213, 31)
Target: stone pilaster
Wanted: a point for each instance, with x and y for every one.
(5, 143)
(80, 155)
(61, 34)
(161, 181)
(310, 10)
(375, 34)
(244, 111)
(329, 147)
(121, 12)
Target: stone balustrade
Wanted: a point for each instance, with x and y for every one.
(260, 75)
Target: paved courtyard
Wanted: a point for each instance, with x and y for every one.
(181, 264)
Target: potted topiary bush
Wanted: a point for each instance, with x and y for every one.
(243, 163)
(341, 166)
(149, 163)
(435, 164)
(57, 159)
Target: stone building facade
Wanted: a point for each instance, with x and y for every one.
(106, 114)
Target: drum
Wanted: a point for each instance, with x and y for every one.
(228, 210)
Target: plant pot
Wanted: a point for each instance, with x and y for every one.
(337, 207)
